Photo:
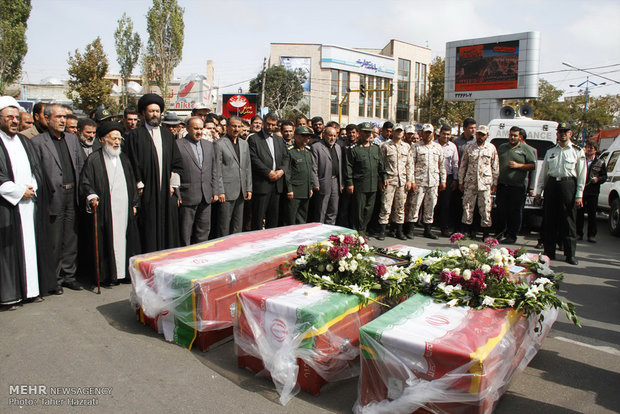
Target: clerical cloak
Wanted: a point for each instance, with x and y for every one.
(12, 264)
(94, 180)
(158, 220)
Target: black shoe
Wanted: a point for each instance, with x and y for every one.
(381, 234)
(591, 240)
(409, 230)
(572, 260)
(509, 240)
(445, 233)
(428, 233)
(58, 291)
(399, 232)
(485, 235)
(72, 285)
(539, 245)
(580, 237)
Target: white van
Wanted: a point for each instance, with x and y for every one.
(609, 197)
(541, 135)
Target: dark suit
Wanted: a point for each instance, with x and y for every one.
(63, 186)
(266, 193)
(199, 182)
(328, 183)
(597, 168)
(236, 181)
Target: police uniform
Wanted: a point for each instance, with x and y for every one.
(299, 182)
(364, 171)
(562, 178)
(429, 170)
(398, 167)
(478, 172)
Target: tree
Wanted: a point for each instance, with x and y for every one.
(433, 105)
(14, 16)
(283, 88)
(128, 46)
(164, 50)
(87, 87)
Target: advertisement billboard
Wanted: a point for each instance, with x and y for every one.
(350, 60)
(497, 67)
(293, 63)
(242, 105)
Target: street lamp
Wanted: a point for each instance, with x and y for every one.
(587, 82)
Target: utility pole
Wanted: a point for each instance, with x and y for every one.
(585, 107)
(262, 90)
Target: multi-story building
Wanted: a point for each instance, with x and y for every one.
(333, 71)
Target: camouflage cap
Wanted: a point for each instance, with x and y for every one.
(483, 129)
(365, 126)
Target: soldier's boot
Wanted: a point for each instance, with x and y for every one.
(485, 233)
(409, 230)
(428, 233)
(381, 234)
(399, 232)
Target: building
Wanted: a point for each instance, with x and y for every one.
(333, 71)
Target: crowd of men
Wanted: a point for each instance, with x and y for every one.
(80, 196)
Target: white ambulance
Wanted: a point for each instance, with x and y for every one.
(609, 197)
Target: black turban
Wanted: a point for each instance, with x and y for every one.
(150, 98)
(105, 128)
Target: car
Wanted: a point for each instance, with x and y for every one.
(609, 197)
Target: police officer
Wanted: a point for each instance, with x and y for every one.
(429, 174)
(478, 174)
(398, 166)
(364, 174)
(298, 178)
(563, 179)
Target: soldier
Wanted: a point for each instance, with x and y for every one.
(478, 174)
(364, 174)
(299, 177)
(429, 173)
(398, 166)
(563, 177)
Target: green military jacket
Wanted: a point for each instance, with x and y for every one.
(299, 175)
(365, 168)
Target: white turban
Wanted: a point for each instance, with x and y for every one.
(6, 101)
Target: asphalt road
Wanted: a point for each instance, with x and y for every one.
(81, 339)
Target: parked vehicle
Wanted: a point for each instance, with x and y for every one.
(609, 197)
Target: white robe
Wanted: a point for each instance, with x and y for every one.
(119, 207)
(13, 191)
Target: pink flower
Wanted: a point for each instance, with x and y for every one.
(491, 241)
(478, 274)
(497, 271)
(456, 237)
(350, 240)
(485, 248)
(380, 270)
(334, 238)
(338, 252)
(301, 250)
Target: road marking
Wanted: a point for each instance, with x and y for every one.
(606, 349)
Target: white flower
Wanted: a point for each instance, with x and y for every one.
(445, 270)
(457, 271)
(327, 279)
(321, 268)
(504, 251)
(359, 256)
(448, 289)
(329, 267)
(511, 302)
(348, 256)
(366, 248)
(361, 240)
(542, 281)
(426, 278)
(458, 287)
(510, 261)
(485, 268)
(466, 274)
(452, 303)
(524, 258)
(531, 293)
(341, 269)
(488, 301)
(353, 266)
(453, 253)
(341, 237)
(465, 250)
(473, 246)
(301, 261)
(544, 269)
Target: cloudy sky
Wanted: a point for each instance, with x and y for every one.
(236, 34)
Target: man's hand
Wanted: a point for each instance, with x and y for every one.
(215, 198)
(383, 185)
(179, 202)
(579, 202)
(135, 211)
(171, 191)
(442, 186)
(94, 202)
(29, 193)
(514, 164)
(461, 187)
(311, 192)
(290, 195)
(279, 174)
(222, 198)
(414, 187)
(350, 189)
(248, 196)
(538, 197)
(273, 175)
(140, 191)
(317, 188)
(594, 180)
(493, 189)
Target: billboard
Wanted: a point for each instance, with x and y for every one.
(242, 105)
(350, 60)
(497, 67)
(293, 63)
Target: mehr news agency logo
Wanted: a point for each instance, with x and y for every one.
(24, 395)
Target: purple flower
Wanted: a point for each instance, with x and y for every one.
(456, 237)
(491, 241)
(301, 250)
(497, 271)
(380, 270)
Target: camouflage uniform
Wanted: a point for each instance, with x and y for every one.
(429, 170)
(398, 163)
(478, 171)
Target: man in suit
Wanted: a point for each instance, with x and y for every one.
(596, 174)
(62, 159)
(40, 124)
(270, 159)
(201, 184)
(233, 156)
(87, 132)
(327, 175)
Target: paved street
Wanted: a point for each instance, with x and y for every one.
(81, 339)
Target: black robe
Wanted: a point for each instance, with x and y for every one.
(94, 180)
(12, 265)
(158, 216)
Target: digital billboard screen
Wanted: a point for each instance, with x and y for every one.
(490, 66)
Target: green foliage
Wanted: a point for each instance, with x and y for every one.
(87, 87)
(433, 105)
(128, 46)
(164, 50)
(14, 16)
(283, 88)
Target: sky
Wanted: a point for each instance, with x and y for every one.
(236, 34)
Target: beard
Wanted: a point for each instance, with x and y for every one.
(87, 141)
(111, 151)
(153, 121)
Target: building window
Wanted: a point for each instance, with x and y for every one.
(386, 98)
(380, 84)
(362, 99)
(403, 92)
(344, 81)
(370, 95)
(334, 93)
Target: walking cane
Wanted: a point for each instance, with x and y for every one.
(97, 250)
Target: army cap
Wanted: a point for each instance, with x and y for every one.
(483, 129)
(102, 114)
(564, 126)
(365, 126)
(397, 127)
(427, 127)
(303, 130)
